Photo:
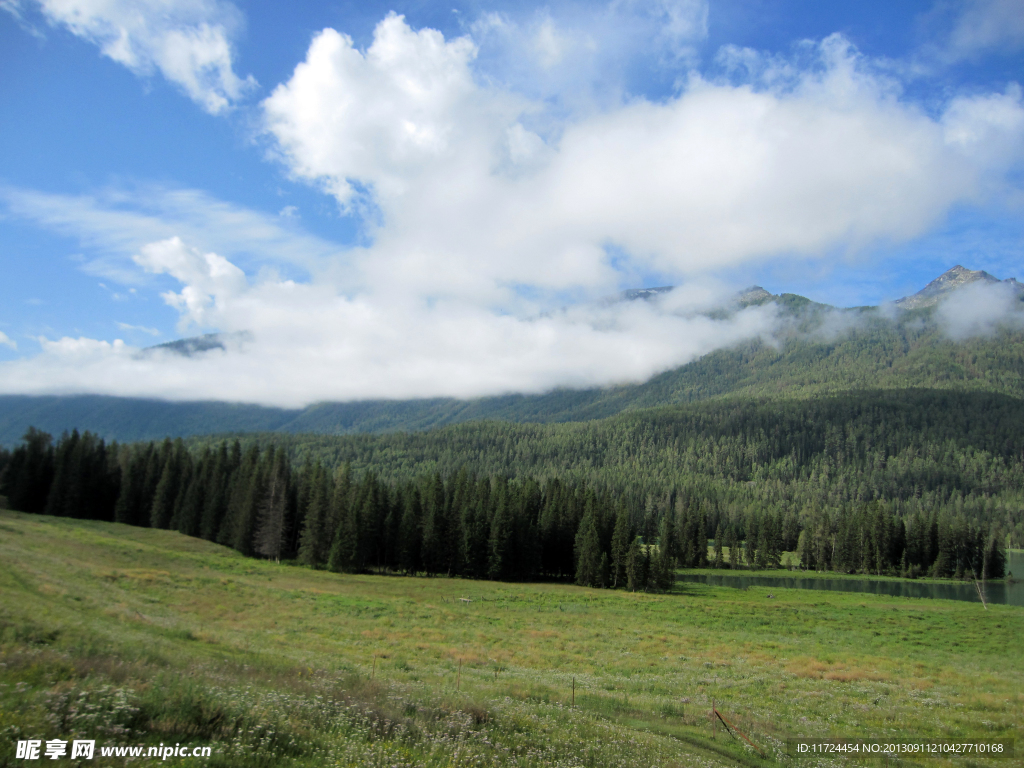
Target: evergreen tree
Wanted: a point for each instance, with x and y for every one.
(636, 571)
(28, 476)
(476, 530)
(272, 507)
(499, 563)
(734, 548)
(314, 546)
(719, 559)
(588, 554)
(253, 487)
(168, 487)
(622, 538)
(411, 532)
(804, 551)
(347, 554)
(216, 494)
(438, 547)
(190, 511)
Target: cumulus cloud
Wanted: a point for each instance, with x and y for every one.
(980, 309)
(724, 173)
(188, 41)
(7, 341)
(208, 280)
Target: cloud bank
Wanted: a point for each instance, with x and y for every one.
(303, 342)
(980, 309)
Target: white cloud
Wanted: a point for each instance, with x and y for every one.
(139, 328)
(207, 279)
(115, 223)
(304, 343)
(578, 55)
(986, 25)
(826, 157)
(7, 341)
(988, 128)
(489, 209)
(980, 309)
(402, 109)
(187, 41)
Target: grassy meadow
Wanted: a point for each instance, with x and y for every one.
(139, 636)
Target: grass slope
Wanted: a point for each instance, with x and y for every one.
(140, 636)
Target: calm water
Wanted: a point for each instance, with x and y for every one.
(995, 591)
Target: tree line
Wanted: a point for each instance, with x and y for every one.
(465, 523)
(919, 452)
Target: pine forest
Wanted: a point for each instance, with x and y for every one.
(909, 483)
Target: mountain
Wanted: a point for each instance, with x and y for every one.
(199, 344)
(822, 351)
(949, 281)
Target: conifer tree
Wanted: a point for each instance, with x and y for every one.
(65, 493)
(314, 546)
(636, 574)
(410, 532)
(251, 495)
(190, 511)
(272, 506)
(588, 553)
(622, 537)
(130, 507)
(347, 555)
(167, 489)
(186, 471)
(804, 552)
(28, 476)
(734, 548)
(499, 543)
(215, 494)
(437, 548)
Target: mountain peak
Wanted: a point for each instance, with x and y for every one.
(755, 294)
(949, 281)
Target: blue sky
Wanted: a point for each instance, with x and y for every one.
(424, 198)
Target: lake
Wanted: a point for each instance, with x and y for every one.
(995, 591)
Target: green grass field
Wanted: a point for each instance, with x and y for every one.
(138, 636)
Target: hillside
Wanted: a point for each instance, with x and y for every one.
(915, 452)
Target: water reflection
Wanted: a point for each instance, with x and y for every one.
(995, 591)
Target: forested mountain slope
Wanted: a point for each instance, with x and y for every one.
(913, 451)
(911, 482)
